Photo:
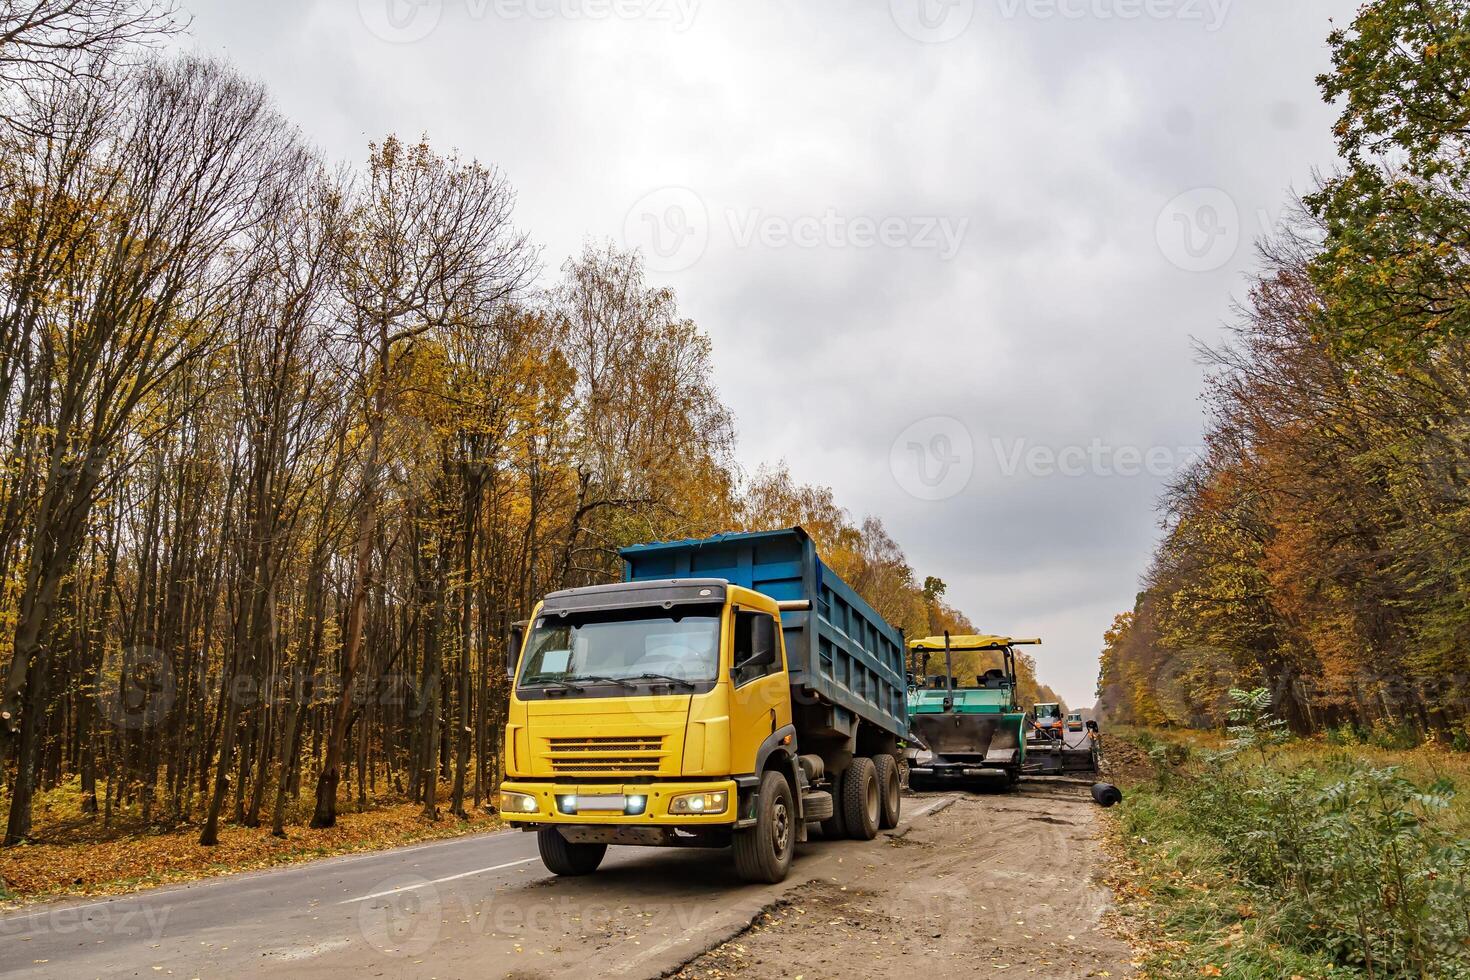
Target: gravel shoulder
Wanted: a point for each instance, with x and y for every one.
(995, 885)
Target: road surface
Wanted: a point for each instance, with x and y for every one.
(485, 907)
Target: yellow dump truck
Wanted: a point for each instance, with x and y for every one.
(729, 693)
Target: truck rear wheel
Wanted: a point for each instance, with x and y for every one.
(889, 790)
(562, 857)
(861, 801)
(763, 853)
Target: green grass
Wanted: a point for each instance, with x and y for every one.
(1302, 860)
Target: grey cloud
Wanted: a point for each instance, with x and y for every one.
(1059, 320)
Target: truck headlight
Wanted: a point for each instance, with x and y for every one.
(699, 803)
(517, 802)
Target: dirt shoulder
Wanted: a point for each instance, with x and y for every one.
(994, 885)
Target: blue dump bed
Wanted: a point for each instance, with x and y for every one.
(841, 653)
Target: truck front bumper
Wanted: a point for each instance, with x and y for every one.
(614, 804)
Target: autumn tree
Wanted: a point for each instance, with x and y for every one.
(162, 176)
(430, 244)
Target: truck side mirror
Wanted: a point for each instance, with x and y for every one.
(513, 644)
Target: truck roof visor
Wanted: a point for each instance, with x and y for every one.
(659, 594)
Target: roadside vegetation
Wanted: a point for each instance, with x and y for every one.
(1321, 546)
(1262, 856)
(1317, 555)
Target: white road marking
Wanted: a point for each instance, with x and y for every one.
(167, 891)
(438, 881)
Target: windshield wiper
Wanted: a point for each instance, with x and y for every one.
(665, 677)
(600, 679)
(549, 681)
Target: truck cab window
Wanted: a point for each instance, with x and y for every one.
(756, 652)
(624, 645)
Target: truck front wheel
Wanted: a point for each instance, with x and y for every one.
(763, 853)
(564, 858)
(861, 800)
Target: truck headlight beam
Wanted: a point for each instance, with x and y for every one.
(517, 802)
(700, 803)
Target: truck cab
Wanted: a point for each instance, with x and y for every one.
(665, 712)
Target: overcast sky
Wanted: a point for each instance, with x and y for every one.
(953, 254)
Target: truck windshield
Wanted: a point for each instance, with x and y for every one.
(624, 646)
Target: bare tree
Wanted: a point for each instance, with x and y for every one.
(279, 347)
(49, 42)
(432, 244)
(166, 180)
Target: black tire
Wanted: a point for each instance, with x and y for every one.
(763, 853)
(861, 801)
(889, 791)
(919, 783)
(564, 858)
(834, 827)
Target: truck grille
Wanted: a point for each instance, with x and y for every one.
(611, 754)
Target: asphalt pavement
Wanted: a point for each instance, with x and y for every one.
(480, 906)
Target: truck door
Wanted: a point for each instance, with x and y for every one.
(760, 700)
